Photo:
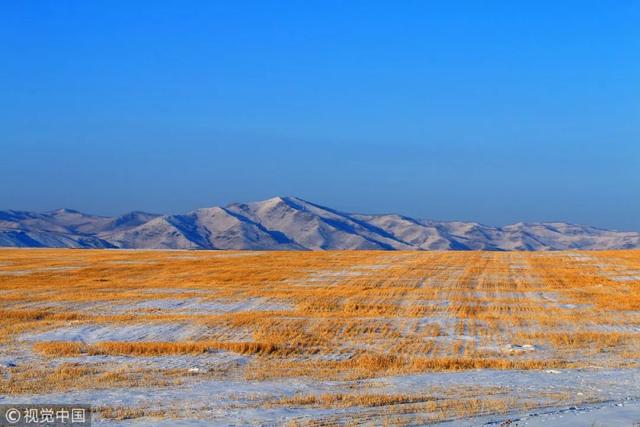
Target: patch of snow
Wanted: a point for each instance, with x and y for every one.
(138, 332)
(200, 306)
(39, 270)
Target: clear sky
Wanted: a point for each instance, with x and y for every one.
(494, 111)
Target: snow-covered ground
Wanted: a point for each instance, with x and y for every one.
(219, 387)
(141, 332)
(615, 394)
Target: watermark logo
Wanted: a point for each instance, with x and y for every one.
(45, 415)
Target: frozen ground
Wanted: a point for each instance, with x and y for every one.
(200, 306)
(606, 414)
(145, 332)
(424, 306)
(615, 392)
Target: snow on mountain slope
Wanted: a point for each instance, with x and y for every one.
(225, 229)
(208, 228)
(414, 233)
(558, 235)
(291, 223)
(161, 233)
(47, 239)
(472, 235)
(60, 221)
(126, 221)
(315, 227)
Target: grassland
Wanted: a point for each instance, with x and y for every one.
(80, 321)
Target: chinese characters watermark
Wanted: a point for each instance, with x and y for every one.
(45, 415)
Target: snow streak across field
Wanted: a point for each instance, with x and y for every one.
(322, 338)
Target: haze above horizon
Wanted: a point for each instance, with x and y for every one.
(497, 112)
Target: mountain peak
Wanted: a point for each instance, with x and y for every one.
(61, 211)
(281, 199)
(274, 200)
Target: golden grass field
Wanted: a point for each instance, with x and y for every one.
(348, 317)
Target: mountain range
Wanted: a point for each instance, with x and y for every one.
(290, 223)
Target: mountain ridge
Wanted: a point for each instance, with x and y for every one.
(292, 223)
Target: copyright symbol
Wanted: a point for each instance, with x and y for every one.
(12, 415)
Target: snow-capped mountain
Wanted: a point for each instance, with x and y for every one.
(290, 223)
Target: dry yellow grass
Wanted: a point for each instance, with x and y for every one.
(59, 348)
(349, 400)
(322, 315)
(347, 314)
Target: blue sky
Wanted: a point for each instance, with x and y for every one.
(488, 111)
